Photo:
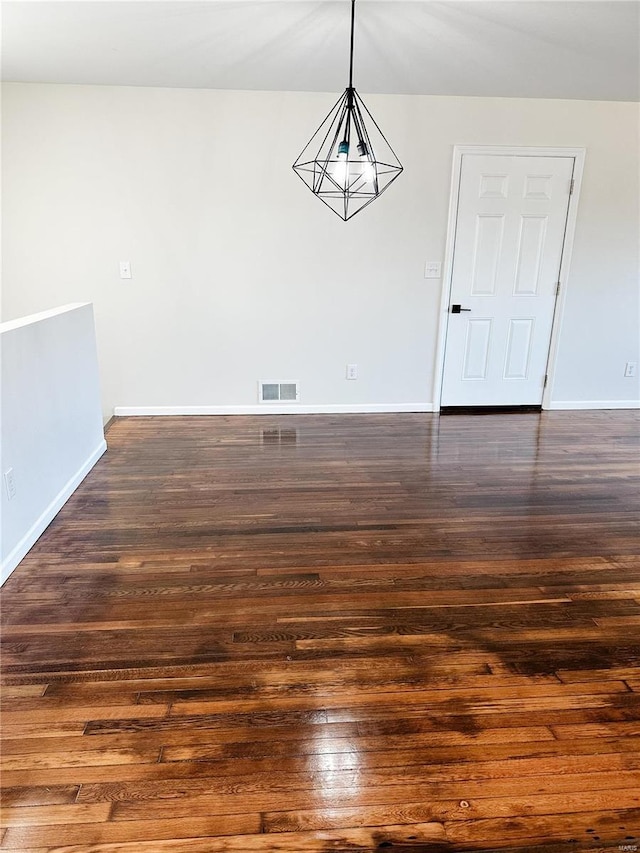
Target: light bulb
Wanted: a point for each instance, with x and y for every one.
(340, 170)
(367, 170)
(340, 166)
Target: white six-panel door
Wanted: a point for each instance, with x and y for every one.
(510, 227)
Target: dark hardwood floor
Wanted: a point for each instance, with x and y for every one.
(332, 633)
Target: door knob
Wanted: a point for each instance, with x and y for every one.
(456, 309)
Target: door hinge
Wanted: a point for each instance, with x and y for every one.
(557, 287)
(571, 186)
(546, 379)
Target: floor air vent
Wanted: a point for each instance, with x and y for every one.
(279, 392)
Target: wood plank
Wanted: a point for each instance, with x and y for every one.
(46, 796)
(84, 758)
(570, 732)
(46, 729)
(197, 744)
(476, 697)
(589, 830)
(622, 673)
(366, 746)
(466, 806)
(50, 815)
(18, 838)
(71, 713)
(22, 690)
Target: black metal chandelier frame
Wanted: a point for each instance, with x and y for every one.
(338, 179)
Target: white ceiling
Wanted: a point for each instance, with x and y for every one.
(583, 49)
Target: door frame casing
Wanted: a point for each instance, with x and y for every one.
(578, 155)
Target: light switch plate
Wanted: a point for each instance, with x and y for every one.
(10, 483)
(432, 269)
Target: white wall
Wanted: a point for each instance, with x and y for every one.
(239, 273)
(51, 426)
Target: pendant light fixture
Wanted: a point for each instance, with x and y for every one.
(348, 163)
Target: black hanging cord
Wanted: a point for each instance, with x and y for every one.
(353, 18)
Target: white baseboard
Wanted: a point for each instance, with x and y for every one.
(273, 409)
(40, 525)
(594, 404)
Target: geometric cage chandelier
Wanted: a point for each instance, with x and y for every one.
(348, 163)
